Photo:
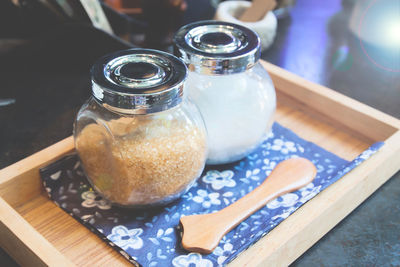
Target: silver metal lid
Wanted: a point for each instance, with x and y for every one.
(216, 47)
(138, 81)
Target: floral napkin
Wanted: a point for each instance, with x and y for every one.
(152, 238)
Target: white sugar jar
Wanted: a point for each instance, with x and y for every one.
(233, 91)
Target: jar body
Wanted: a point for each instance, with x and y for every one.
(238, 110)
(141, 160)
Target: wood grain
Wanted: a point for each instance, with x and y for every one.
(24, 243)
(36, 232)
(22, 176)
(327, 105)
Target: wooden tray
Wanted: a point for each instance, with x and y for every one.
(36, 232)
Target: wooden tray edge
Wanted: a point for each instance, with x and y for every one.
(27, 246)
(359, 117)
(297, 233)
(22, 175)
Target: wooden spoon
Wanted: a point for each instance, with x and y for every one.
(202, 233)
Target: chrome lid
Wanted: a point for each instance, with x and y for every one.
(216, 47)
(138, 81)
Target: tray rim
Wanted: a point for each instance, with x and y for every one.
(28, 246)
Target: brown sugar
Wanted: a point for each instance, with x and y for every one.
(143, 161)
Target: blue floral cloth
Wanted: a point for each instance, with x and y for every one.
(152, 237)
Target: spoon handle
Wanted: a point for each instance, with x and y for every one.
(202, 233)
(288, 176)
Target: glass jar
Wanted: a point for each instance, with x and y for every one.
(234, 93)
(140, 140)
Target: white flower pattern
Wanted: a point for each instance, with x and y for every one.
(269, 165)
(191, 260)
(219, 180)
(223, 253)
(366, 154)
(55, 175)
(207, 199)
(284, 147)
(126, 238)
(285, 201)
(308, 192)
(251, 175)
(92, 199)
(89, 218)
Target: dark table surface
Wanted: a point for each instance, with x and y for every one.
(314, 42)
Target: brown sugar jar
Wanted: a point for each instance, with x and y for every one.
(140, 139)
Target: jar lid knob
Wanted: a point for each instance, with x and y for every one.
(216, 47)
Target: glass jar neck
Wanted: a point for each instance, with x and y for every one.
(131, 112)
(137, 103)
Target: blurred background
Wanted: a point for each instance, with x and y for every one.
(351, 46)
